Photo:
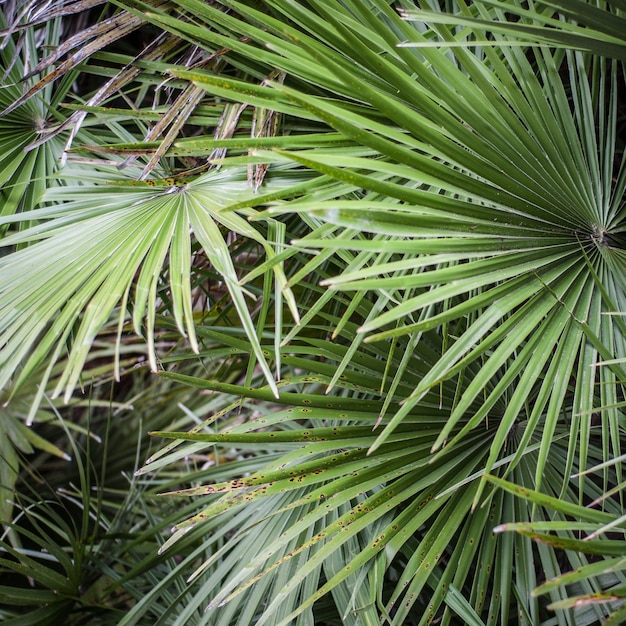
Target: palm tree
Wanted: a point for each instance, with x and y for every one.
(397, 260)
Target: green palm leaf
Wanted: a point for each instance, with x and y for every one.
(71, 271)
(588, 27)
(394, 501)
(493, 224)
(446, 210)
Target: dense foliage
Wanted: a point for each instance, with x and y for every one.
(333, 289)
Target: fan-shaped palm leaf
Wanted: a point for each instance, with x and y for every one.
(71, 271)
(481, 150)
(495, 199)
(396, 508)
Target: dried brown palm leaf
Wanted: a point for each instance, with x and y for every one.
(78, 48)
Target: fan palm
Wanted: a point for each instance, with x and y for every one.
(444, 211)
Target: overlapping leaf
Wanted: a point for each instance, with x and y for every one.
(459, 281)
(398, 507)
(71, 273)
(493, 225)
